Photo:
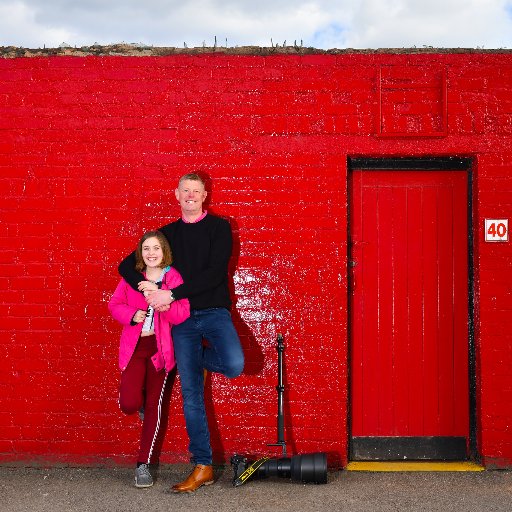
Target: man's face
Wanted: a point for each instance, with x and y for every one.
(191, 195)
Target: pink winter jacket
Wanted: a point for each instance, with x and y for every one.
(124, 304)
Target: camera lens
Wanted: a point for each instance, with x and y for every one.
(310, 467)
(307, 468)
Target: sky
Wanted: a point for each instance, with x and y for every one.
(322, 24)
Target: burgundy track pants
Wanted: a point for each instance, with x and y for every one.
(143, 386)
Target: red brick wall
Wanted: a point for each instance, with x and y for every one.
(90, 151)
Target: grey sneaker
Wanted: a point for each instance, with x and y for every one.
(143, 477)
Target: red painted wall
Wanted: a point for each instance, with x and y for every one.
(90, 151)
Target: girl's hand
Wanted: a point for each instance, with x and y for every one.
(139, 316)
(147, 286)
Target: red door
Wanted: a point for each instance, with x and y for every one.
(409, 314)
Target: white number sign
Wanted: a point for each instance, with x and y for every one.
(496, 230)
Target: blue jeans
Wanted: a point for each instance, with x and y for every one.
(223, 355)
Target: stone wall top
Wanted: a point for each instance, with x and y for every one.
(135, 50)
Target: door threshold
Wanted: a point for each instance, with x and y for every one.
(390, 466)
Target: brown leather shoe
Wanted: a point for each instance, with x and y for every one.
(201, 475)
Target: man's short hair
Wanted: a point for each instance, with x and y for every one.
(192, 176)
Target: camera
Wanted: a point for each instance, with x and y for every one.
(305, 468)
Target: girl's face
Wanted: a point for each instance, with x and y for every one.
(152, 253)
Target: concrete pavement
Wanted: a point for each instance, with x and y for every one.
(65, 489)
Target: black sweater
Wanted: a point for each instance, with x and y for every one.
(201, 253)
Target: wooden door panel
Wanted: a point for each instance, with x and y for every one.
(409, 303)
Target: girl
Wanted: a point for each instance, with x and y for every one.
(146, 353)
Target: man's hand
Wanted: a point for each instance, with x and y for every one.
(159, 298)
(163, 309)
(146, 287)
(139, 316)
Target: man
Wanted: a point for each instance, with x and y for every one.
(201, 244)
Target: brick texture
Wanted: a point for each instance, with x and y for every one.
(90, 151)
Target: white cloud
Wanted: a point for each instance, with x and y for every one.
(319, 23)
(444, 23)
(19, 27)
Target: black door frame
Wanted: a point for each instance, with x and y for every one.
(438, 447)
